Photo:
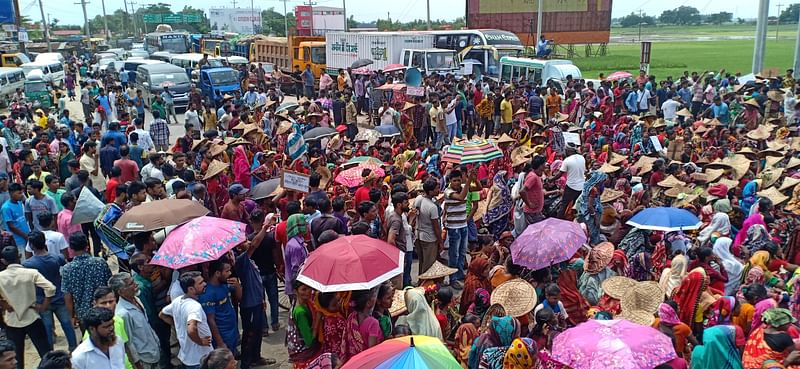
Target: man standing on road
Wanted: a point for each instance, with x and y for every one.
(144, 140)
(86, 100)
(169, 104)
(427, 225)
(103, 349)
(81, 276)
(18, 291)
(138, 103)
(191, 325)
(308, 82)
(159, 132)
(143, 343)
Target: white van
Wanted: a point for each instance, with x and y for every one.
(189, 63)
(10, 80)
(52, 70)
(49, 57)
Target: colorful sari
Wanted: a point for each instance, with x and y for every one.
(521, 354)
(501, 332)
(757, 351)
(688, 295)
(496, 217)
(474, 280)
(465, 336)
(718, 350)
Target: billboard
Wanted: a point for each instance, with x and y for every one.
(6, 11)
(521, 6)
(564, 21)
(238, 20)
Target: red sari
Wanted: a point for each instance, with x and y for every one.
(575, 304)
(687, 295)
(756, 351)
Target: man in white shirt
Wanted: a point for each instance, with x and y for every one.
(450, 116)
(145, 141)
(643, 101)
(102, 349)
(387, 114)
(56, 242)
(670, 108)
(191, 325)
(575, 168)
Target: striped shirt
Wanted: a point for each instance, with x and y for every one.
(455, 210)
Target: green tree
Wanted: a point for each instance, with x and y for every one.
(272, 22)
(719, 18)
(633, 20)
(681, 15)
(790, 14)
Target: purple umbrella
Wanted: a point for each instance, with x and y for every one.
(548, 242)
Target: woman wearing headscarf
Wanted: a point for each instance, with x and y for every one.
(521, 354)
(759, 260)
(671, 324)
(757, 237)
(500, 202)
(420, 318)
(477, 277)
(759, 309)
(241, 166)
(589, 206)
(770, 341)
(574, 302)
(733, 267)
(744, 235)
(671, 277)
(499, 335)
(480, 303)
(637, 240)
(720, 226)
(688, 296)
(595, 271)
(619, 263)
(718, 350)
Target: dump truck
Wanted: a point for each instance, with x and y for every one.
(285, 53)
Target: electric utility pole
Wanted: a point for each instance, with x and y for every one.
(45, 28)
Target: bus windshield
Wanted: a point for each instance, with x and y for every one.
(169, 79)
(175, 45)
(228, 77)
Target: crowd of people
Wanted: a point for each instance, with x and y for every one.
(725, 150)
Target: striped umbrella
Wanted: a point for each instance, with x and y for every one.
(365, 159)
(471, 151)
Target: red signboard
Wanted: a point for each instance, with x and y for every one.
(305, 19)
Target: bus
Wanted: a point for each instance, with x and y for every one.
(214, 45)
(551, 72)
(174, 42)
(486, 46)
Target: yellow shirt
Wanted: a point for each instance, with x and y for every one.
(506, 113)
(18, 288)
(341, 82)
(42, 122)
(40, 178)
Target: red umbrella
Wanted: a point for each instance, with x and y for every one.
(619, 75)
(394, 67)
(351, 263)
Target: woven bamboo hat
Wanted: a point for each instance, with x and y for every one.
(793, 162)
(789, 182)
(399, 302)
(216, 167)
(769, 176)
(493, 310)
(714, 174)
(640, 303)
(608, 168)
(610, 195)
(617, 286)
(773, 194)
(437, 270)
(517, 297)
(670, 182)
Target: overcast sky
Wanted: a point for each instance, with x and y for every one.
(365, 10)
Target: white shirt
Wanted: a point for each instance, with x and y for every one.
(87, 356)
(145, 141)
(192, 118)
(150, 171)
(670, 107)
(184, 310)
(55, 243)
(387, 116)
(644, 99)
(450, 118)
(575, 168)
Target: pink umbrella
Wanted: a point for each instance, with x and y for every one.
(351, 263)
(200, 240)
(362, 70)
(352, 177)
(394, 67)
(619, 75)
(548, 242)
(618, 344)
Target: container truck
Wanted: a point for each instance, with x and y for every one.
(411, 49)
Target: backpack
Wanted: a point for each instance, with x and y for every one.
(298, 352)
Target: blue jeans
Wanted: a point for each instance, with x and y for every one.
(309, 92)
(457, 252)
(472, 230)
(409, 259)
(253, 326)
(452, 131)
(64, 318)
(270, 282)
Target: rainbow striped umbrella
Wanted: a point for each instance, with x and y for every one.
(471, 151)
(410, 352)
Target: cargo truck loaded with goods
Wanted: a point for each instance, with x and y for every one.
(410, 49)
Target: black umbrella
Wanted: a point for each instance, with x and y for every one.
(264, 189)
(319, 133)
(361, 63)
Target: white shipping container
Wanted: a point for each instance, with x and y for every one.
(383, 48)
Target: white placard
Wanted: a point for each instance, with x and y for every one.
(571, 137)
(415, 91)
(656, 143)
(294, 181)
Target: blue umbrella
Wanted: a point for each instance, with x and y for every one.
(665, 219)
(388, 130)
